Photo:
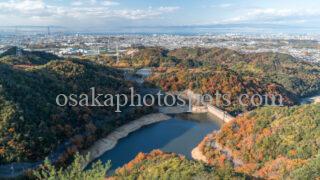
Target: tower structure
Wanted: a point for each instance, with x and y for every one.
(98, 54)
(117, 53)
(49, 31)
(17, 42)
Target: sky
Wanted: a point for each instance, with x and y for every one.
(124, 13)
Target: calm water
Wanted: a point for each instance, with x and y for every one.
(180, 135)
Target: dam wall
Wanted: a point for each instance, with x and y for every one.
(226, 117)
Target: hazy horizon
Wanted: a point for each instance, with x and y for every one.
(175, 30)
(94, 15)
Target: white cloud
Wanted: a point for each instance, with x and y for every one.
(23, 6)
(77, 3)
(109, 3)
(94, 3)
(168, 8)
(225, 5)
(269, 15)
(137, 14)
(38, 10)
(269, 12)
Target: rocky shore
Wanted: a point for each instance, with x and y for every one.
(198, 155)
(105, 144)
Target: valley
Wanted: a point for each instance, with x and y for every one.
(239, 148)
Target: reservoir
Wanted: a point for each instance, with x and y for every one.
(180, 135)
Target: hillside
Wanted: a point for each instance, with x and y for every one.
(208, 70)
(26, 57)
(208, 56)
(224, 81)
(298, 77)
(271, 142)
(160, 165)
(32, 125)
(138, 58)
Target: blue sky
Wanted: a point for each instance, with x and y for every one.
(114, 13)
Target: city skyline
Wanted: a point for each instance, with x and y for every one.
(95, 14)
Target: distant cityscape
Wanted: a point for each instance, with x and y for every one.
(304, 46)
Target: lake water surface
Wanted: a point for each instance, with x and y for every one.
(180, 135)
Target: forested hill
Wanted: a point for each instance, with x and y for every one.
(271, 143)
(296, 76)
(31, 123)
(14, 55)
(160, 165)
(224, 81)
(208, 70)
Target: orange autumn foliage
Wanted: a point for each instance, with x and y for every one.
(2, 151)
(221, 160)
(271, 142)
(293, 152)
(141, 157)
(11, 130)
(276, 168)
(248, 168)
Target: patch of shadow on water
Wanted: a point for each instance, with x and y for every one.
(179, 135)
(200, 118)
(146, 139)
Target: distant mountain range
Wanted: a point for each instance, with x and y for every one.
(178, 29)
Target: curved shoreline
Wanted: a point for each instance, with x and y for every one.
(196, 154)
(110, 141)
(104, 144)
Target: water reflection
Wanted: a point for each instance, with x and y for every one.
(180, 135)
